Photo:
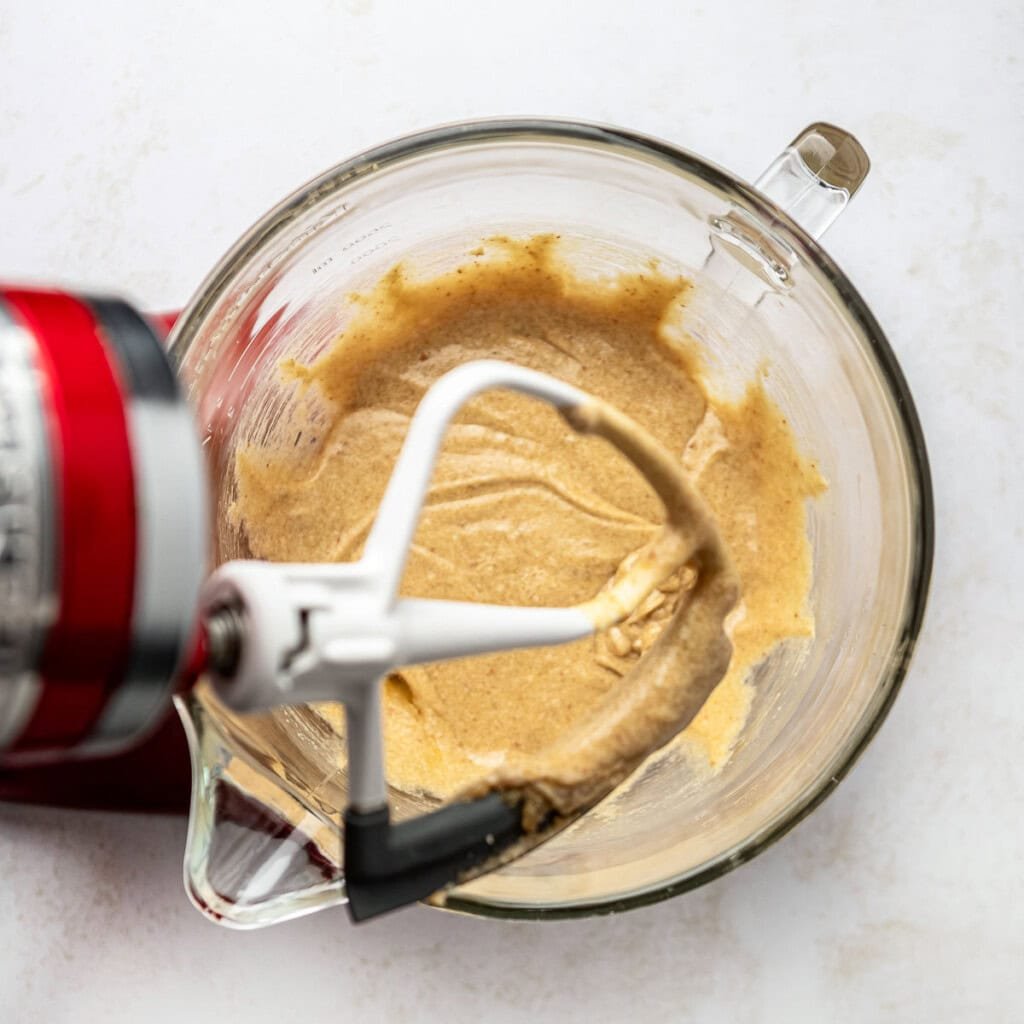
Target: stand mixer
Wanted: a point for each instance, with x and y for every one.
(100, 613)
(103, 554)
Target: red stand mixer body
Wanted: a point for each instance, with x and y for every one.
(103, 530)
(102, 549)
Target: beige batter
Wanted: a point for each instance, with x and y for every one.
(523, 510)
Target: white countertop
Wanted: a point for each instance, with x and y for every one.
(135, 145)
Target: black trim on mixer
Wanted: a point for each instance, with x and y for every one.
(140, 354)
(389, 865)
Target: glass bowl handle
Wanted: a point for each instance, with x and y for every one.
(815, 176)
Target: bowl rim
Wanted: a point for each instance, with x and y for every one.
(828, 274)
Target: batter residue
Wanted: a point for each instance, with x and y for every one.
(522, 510)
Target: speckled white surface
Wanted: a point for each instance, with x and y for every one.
(136, 144)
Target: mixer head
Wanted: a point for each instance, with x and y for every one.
(102, 527)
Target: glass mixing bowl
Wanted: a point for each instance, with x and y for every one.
(263, 843)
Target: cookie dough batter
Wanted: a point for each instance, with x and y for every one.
(523, 510)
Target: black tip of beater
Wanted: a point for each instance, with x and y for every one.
(390, 865)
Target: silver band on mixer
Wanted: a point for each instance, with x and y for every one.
(171, 501)
(28, 555)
